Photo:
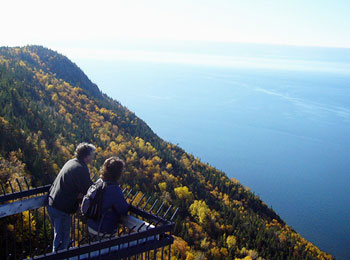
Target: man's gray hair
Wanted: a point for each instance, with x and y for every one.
(83, 150)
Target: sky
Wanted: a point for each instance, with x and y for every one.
(84, 23)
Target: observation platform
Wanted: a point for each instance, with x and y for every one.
(26, 231)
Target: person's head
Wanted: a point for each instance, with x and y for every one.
(112, 169)
(85, 152)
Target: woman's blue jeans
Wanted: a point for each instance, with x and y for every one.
(61, 222)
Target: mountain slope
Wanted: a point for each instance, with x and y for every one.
(48, 106)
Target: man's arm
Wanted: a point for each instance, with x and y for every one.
(83, 181)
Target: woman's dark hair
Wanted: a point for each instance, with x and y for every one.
(83, 150)
(111, 169)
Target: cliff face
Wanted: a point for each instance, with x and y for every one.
(48, 106)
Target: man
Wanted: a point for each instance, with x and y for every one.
(69, 186)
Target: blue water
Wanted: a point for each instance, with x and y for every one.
(281, 130)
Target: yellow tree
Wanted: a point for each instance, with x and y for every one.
(200, 211)
(183, 193)
(231, 241)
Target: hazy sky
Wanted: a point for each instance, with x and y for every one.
(77, 22)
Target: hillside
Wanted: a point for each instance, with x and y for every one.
(48, 106)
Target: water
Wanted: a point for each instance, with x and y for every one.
(279, 125)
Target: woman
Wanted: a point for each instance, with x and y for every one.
(114, 204)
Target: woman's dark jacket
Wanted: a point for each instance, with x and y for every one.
(114, 206)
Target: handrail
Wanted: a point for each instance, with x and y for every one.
(123, 251)
(23, 205)
(22, 194)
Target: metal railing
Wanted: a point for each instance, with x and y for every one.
(26, 231)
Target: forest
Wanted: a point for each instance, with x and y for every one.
(48, 106)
